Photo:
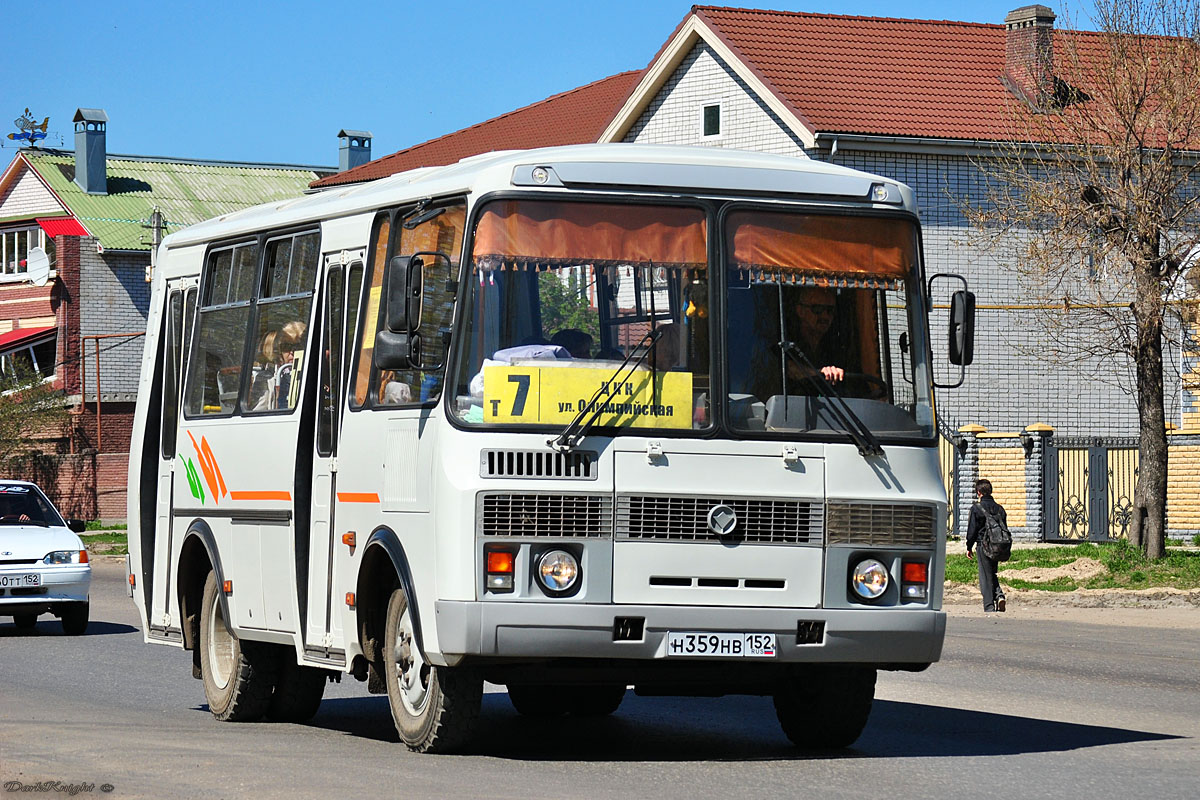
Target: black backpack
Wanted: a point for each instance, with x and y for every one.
(994, 540)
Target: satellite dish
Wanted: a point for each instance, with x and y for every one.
(37, 265)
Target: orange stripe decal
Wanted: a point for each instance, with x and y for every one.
(357, 497)
(287, 496)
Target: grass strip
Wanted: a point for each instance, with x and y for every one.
(1126, 568)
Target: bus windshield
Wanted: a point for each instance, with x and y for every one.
(562, 292)
(822, 304)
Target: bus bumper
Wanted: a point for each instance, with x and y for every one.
(882, 636)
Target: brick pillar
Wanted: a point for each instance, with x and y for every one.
(1039, 436)
(67, 248)
(968, 473)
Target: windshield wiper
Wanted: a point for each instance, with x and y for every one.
(573, 434)
(868, 445)
(37, 522)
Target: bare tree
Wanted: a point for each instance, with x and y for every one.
(1097, 200)
(32, 414)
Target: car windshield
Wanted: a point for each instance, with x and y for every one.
(563, 292)
(24, 505)
(818, 304)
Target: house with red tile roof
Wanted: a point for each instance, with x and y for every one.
(926, 102)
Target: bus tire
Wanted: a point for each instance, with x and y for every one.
(25, 622)
(434, 708)
(536, 700)
(826, 708)
(596, 701)
(239, 677)
(298, 691)
(74, 618)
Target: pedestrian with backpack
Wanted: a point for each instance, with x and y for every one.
(988, 535)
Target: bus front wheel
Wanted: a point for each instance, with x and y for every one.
(239, 677)
(434, 708)
(826, 707)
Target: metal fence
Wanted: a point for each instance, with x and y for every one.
(1089, 488)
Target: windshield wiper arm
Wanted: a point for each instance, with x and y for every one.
(868, 445)
(573, 434)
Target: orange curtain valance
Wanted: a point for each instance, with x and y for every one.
(590, 233)
(835, 245)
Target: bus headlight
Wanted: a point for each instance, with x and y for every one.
(869, 579)
(558, 571)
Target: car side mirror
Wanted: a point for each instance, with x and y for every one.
(77, 525)
(962, 328)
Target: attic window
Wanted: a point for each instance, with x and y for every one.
(710, 120)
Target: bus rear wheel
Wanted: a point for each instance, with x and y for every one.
(239, 677)
(434, 708)
(826, 707)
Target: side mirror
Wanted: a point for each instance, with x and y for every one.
(397, 350)
(405, 280)
(962, 328)
(77, 525)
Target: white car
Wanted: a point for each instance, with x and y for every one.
(44, 566)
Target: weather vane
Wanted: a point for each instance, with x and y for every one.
(28, 129)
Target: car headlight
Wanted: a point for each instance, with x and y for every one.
(66, 557)
(558, 571)
(869, 579)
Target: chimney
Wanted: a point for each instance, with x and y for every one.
(91, 156)
(1029, 51)
(354, 150)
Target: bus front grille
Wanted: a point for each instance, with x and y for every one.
(685, 519)
(544, 515)
(881, 524)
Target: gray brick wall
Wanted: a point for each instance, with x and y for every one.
(1019, 377)
(115, 298)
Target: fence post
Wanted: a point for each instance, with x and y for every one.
(968, 472)
(1037, 441)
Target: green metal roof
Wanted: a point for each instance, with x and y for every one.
(185, 192)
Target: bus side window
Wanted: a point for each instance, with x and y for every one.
(280, 332)
(215, 370)
(441, 233)
(173, 347)
(371, 310)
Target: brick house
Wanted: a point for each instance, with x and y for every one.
(82, 324)
(923, 102)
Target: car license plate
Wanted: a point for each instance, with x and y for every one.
(18, 581)
(721, 645)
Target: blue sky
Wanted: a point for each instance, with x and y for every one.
(274, 81)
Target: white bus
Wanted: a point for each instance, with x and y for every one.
(571, 421)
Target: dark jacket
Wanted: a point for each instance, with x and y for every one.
(978, 520)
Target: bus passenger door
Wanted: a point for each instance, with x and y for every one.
(176, 332)
(343, 279)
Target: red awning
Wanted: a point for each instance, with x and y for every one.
(62, 226)
(22, 337)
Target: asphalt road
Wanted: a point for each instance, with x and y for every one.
(1079, 703)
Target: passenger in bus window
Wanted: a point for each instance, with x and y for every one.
(291, 353)
(264, 372)
(665, 354)
(575, 341)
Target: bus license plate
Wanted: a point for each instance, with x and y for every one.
(19, 581)
(721, 645)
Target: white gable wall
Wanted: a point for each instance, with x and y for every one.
(28, 196)
(674, 115)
